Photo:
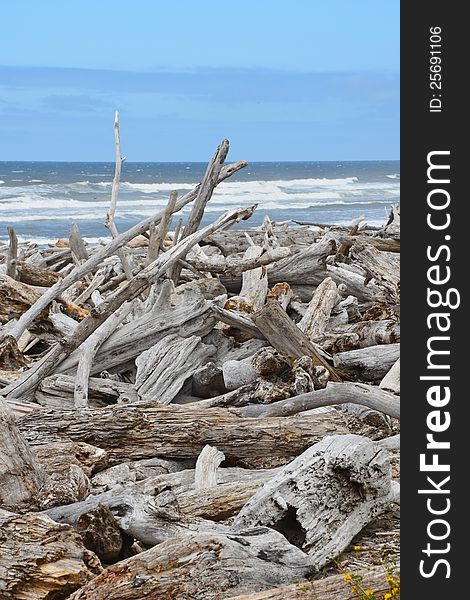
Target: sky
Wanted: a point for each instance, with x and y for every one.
(282, 80)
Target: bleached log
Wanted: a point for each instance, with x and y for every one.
(368, 364)
(163, 368)
(234, 265)
(360, 335)
(391, 381)
(379, 266)
(333, 587)
(237, 320)
(202, 565)
(111, 248)
(56, 391)
(286, 337)
(41, 559)
(237, 373)
(334, 393)
(392, 228)
(145, 430)
(315, 320)
(21, 476)
(77, 245)
(205, 475)
(235, 241)
(88, 351)
(354, 477)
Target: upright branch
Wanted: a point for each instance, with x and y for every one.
(157, 239)
(12, 258)
(110, 224)
(208, 184)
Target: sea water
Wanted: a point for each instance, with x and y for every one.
(42, 199)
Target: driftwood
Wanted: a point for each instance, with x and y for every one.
(276, 326)
(367, 364)
(144, 430)
(334, 393)
(391, 381)
(198, 565)
(333, 587)
(21, 475)
(163, 369)
(259, 339)
(42, 559)
(354, 477)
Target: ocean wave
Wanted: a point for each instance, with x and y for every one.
(1, 181)
(393, 176)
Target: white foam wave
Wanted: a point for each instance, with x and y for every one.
(393, 176)
(1, 181)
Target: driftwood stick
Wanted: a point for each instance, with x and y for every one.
(208, 184)
(334, 393)
(89, 349)
(110, 224)
(238, 321)
(77, 245)
(286, 337)
(205, 475)
(12, 257)
(95, 260)
(165, 223)
(29, 381)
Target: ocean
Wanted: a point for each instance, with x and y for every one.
(42, 199)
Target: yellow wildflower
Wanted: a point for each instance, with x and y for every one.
(353, 590)
(387, 596)
(369, 592)
(347, 577)
(357, 548)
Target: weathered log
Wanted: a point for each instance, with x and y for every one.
(34, 275)
(163, 368)
(360, 335)
(21, 476)
(368, 364)
(56, 391)
(286, 337)
(57, 457)
(334, 587)
(109, 222)
(354, 477)
(391, 381)
(234, 265)
(202, 565)
(392, 228)
(145, 430)
(378, 266)
(315, 320)
(41, 559)
(236, 321)
(156, 241)
(334, 393)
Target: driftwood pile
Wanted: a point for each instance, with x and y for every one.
(179, 414)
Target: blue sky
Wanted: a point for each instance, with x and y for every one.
(297, 80)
